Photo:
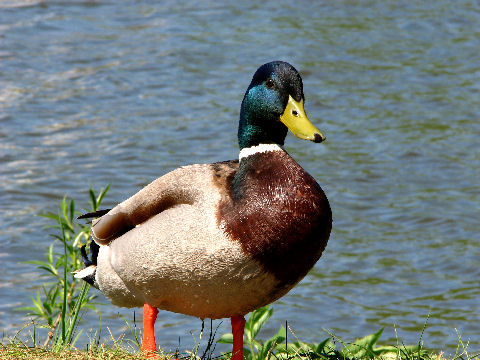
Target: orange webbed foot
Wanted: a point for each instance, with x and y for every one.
(238, 327)
(149, 347)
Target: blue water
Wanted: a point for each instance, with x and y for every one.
(93, 93)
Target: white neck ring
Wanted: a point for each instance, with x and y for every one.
(261, 148)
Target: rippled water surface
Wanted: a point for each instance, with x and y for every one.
(102, 92)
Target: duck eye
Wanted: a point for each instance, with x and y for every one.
(270, 83)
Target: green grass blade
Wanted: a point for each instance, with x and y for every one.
(75, 312)
(72, 211)
(65, 291)
(226, 339)
(255, 322)
(93, 199)
(102, 194)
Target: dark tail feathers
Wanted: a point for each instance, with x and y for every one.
(88, 273)
(94, 247)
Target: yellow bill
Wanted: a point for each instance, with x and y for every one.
(297, 122)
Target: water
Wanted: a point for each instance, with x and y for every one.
(99, 92)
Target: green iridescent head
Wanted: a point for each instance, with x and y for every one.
(273, 104)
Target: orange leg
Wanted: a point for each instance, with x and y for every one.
(149, 347)
(238, 327)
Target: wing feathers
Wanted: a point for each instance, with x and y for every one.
(94, 214)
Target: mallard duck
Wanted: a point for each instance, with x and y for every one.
(220, 240)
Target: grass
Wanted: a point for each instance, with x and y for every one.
(57, 306)
(18, 351)
(283, 345)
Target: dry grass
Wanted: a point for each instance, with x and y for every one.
(17, 351)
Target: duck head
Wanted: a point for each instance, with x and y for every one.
(273, 104)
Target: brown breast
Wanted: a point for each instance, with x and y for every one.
(278, 213)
